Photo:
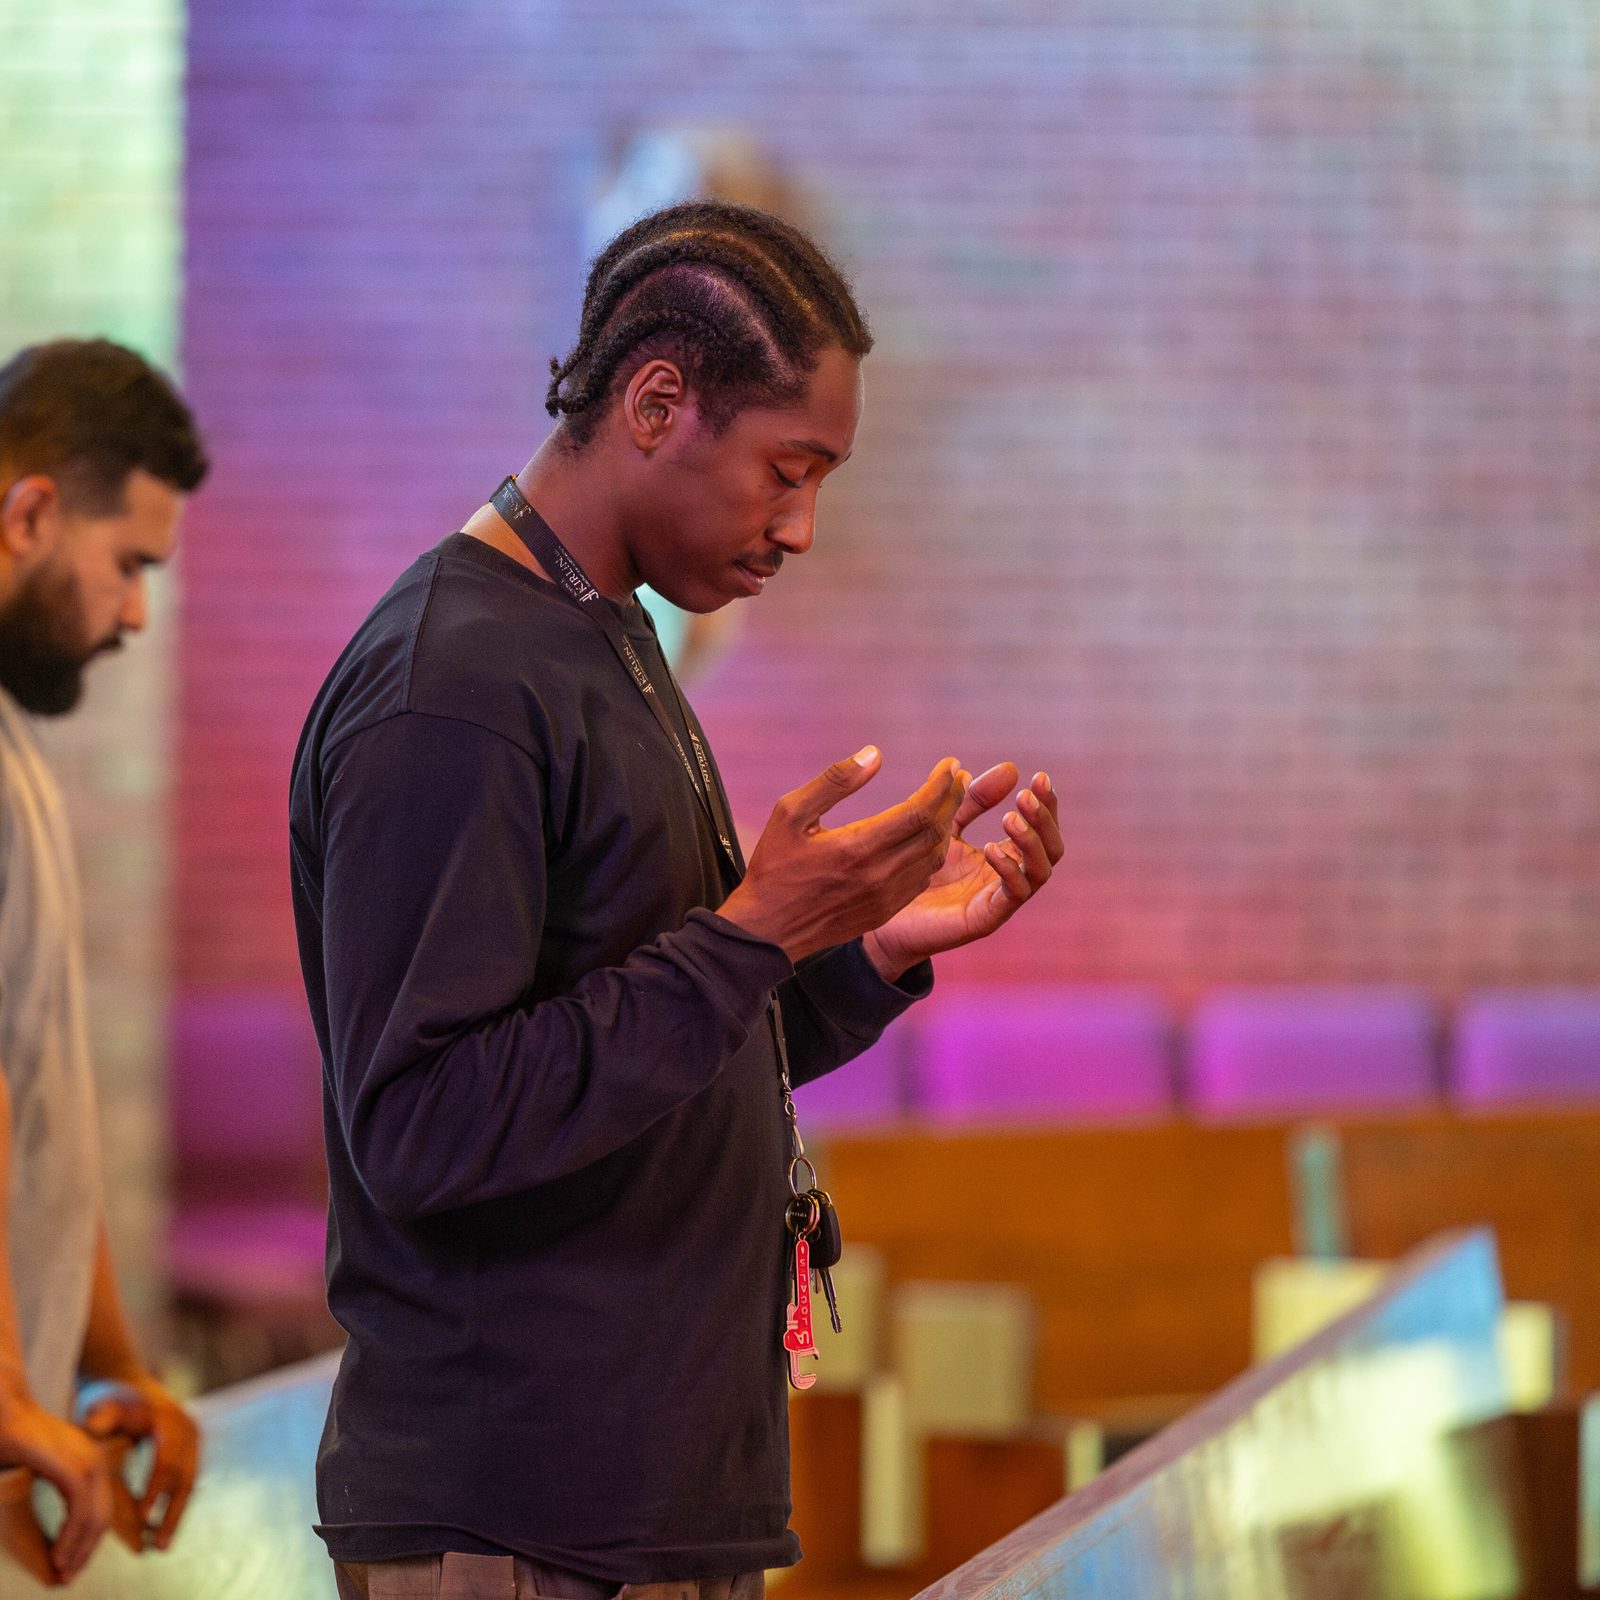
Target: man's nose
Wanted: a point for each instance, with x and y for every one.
(797, 528)
(132, 617)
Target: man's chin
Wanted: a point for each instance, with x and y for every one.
(697, 602)
(43, 692)
(45, 647)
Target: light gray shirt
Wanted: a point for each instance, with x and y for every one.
(55, 1198)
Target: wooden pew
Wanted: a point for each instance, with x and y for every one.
(1136, 1244)
(1533, 1177)
(1351, 1466)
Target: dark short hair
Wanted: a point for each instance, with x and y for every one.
(742, 301)
(89, 412)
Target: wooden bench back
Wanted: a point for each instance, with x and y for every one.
(1533, 1177)
(1136, 1244)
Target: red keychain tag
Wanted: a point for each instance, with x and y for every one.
(797, 1335)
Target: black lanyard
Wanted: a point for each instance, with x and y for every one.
(574, 583)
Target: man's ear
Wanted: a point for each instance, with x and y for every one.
(653, 403)
(29, 510)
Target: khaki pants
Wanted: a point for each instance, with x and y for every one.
(460, 1577)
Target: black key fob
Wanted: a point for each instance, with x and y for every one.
(827, 1243)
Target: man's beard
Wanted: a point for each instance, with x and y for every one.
(43, 650)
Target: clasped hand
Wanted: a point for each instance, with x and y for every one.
(143, 1409)
(68, 1456)
(906, 879)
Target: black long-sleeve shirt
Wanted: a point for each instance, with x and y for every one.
(555, 1145)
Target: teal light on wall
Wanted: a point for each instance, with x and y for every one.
(91, 120)
(91, 123)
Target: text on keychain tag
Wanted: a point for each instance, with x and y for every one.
(798, 1338)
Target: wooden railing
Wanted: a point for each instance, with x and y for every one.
(1343, 1468)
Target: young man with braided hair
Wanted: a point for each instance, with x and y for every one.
(552, 999)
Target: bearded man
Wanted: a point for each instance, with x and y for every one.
(97, 455)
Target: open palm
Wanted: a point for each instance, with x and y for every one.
(976, 890)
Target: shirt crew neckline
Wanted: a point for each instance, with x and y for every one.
(460, 543)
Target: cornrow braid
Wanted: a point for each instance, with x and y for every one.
(711, 345)
(743, 302)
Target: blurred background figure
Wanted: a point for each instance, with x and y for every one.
(97, 456)
(658, 167)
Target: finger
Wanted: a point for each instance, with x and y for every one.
(167, 1477)
(1044, 791)
(805, 805)
(913, 860)
(119, 1414)
(88, 1516)
(944, 790)
(1013, 885)
(172, 1472)
(1030, 847)
(942, 786)
(101, 1420)
(155, 1486)
(1041, 813)
(927, 812)
(985, 792)
(910, 867)
(164, 1467)
(128, 1522)
(177, 1500)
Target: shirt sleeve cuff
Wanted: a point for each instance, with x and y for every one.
(768, 964)
(855, 995)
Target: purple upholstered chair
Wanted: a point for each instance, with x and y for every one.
(870, 1089)
(246, 1090)
(1045, 1054)
(1271, 1052)
(250, 1211)
(1527, 1045)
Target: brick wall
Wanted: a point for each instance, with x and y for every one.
(1229, 446)
(91, 126)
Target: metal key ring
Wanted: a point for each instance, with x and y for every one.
(813, 1216)
(795, 1163)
